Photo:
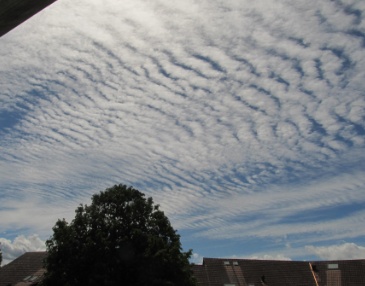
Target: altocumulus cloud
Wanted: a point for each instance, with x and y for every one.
(242, 119)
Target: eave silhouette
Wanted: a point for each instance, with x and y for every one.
(15, 12)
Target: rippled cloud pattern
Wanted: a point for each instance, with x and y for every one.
(244, 120)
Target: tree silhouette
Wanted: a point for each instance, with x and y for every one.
(122, 238)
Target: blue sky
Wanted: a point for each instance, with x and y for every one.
(244, 120)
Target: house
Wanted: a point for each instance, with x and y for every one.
(26, 270)
(247, 272)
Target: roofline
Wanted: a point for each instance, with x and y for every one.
(277, 260)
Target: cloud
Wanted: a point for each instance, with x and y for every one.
(270, 257)
(30, 212)
(12, 249)
(338, 252)
(196, 259)
(241, 119)
(274, 213)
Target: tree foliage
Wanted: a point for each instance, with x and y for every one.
(122, 238)
(1, 255)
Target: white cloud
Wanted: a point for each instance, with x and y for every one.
(20, 245)
(263, 256)
(270, 257)
(275, 213)
(338, 252)
(196, 258)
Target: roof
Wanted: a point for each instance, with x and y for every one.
(244, 272)
(25, 270)
(348, 272)
(15, 12)
(28, 269)
(250, 272)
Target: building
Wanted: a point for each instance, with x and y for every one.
(246, 272)
(15, 12)
(26, 270)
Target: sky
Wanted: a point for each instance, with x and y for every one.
(244, 120)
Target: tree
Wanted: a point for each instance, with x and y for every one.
(122, 238)
(1, 255)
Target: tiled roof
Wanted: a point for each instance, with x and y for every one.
(15, 12)
(348, 272)
(201, 275)
(26, 269)
(244, 272)
(247, 272)
(282, 273)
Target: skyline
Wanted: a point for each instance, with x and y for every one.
(244, 121)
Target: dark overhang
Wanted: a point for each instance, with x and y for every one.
(15, 12)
